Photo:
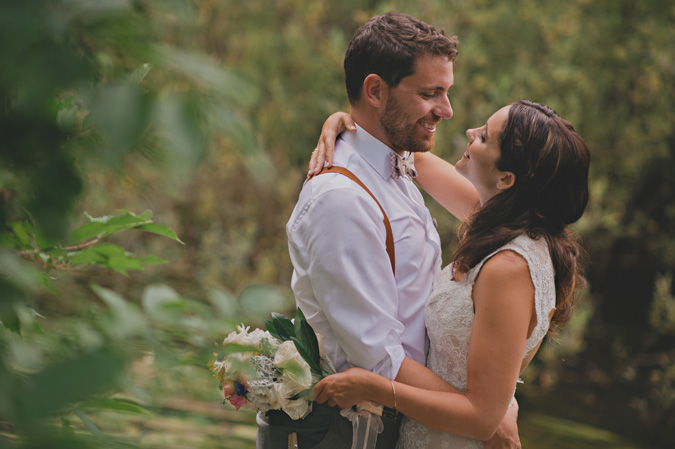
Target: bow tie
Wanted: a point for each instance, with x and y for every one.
(401, 166)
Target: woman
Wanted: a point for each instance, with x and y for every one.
(511, 279)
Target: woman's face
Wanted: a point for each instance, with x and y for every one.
(478, 163)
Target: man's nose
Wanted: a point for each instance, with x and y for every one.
(444, 108)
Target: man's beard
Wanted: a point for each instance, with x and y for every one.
(400, 132)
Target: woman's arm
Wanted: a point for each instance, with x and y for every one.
(436, 176)
(440, 180)
(335, 124)
(503, 298)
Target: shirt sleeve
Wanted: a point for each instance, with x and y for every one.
(343, 240)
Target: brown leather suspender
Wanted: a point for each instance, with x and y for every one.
(387, 225)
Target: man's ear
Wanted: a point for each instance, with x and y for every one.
(506, 180)
(374, 89)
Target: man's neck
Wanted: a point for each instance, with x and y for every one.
(371, 123)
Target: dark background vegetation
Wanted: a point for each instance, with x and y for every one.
(204, 112)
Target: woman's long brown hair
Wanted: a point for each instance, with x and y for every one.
(550, 161)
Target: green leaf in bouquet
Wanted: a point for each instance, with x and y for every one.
(306, 354)
(284, 326)
(303, 394)
(309, 338)
(161, 230)
(299, 319)
(271, 328)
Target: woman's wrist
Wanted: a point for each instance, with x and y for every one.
(383, 391)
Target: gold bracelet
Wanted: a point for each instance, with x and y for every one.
(394, 391)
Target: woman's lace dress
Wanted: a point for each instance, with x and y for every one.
(449, 317)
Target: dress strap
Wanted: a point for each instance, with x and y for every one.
(387, 225)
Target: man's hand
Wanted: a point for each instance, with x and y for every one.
(506, 436)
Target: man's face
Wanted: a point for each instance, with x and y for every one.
(414, 107)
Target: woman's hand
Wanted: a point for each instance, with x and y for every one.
(334, 125)
(343, 389)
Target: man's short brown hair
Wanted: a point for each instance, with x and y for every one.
(388, 45)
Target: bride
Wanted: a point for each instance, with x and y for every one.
(510, 281)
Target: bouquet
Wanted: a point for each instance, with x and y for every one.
(273, 369)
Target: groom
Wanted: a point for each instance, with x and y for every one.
(366, 298)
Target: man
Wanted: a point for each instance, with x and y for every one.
(369, 306)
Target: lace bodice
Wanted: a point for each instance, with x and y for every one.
(449, 318)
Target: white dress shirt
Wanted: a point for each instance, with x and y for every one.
(342, 278)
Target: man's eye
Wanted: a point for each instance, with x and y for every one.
(429, 95)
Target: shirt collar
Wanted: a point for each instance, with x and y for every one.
(376, 153)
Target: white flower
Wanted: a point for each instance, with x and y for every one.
(242, 337)
(296, 409)
(264, 398)
(295, 371)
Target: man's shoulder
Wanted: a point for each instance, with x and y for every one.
(334, 196)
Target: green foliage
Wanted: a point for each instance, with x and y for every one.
(301, 334)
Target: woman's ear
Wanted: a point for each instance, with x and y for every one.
(373, 90)
(506, 180)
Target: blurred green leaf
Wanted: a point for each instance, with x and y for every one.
(124, 320)
(18, 271)
(151, 260)
(225, 304)
(102, 226)
(93, 428)
(122, 111)
(122, 263)
(47, 284)
(203, 69)
(179, 122)
(137, 76)
(65, 382)
(9, 317)
(22, 230)
(261, 300)
(87, 256)
(156, 297)
(161, 230)
(115, 404)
